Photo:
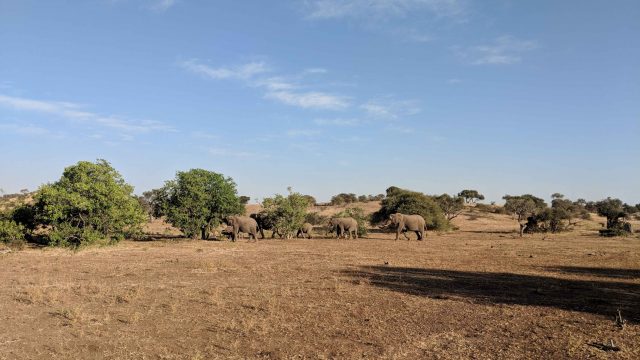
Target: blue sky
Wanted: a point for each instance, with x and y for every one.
(327, 96)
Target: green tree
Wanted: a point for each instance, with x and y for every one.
(90, 202)
(287, 212)
(244, 200)
(522, 207)
(613, 210)
(12, 233)
(410, 203)
(471, 196)
(451, 206)
(196, 200)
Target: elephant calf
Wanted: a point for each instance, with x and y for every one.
(243, 224)
(340, 225)
(404, 223)
(305, 230)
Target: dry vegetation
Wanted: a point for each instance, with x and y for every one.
(478, 293)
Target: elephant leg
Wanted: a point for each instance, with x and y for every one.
(404, 232)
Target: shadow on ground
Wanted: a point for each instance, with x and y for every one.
(596, 297)
(600, 272)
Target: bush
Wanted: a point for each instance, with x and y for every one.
(358, 214)
(410, 203)
(197, 200)
(451, 206)
(12, 233)
(287, 212)
(314, 218)
(91, 201)
(343, 198)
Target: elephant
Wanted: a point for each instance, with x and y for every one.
(404, 223)
(243, 224)
(265, 223)
(340, 225)
(305, 230)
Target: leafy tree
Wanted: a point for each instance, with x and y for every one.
(363, 198)
(196, 200)
(311, 200)
(522, 207)
(244, 200)
(358, 214)
(90, 202)
(471, 196)
(12, 233)
(613, 210)
(555, 196)
(451, 206)
(343, 198)
(287, 212)
(410, 203)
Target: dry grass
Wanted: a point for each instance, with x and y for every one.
(479, 293)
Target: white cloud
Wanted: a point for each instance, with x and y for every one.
(242, 72)
(390, 109)
(303, 133)
(277, 88)
(331, 9)
(317, 100)
(337, 122)
(454, 81)
(26, 129)
(315, 71)
(503, 50)
(163, 5)
(204, 135)
(74, 112)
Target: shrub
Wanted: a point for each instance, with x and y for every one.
(197, 200)
(343, 198)
(451, 206)
(314, 218)
(358, 214)
(287, 212)
(12, 233)
(90, 201)
(410, 203)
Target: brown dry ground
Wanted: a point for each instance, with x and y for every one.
(476, 293)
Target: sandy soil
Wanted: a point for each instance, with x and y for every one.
(477, 293)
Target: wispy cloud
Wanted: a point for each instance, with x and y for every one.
(279, 88)
(163, 5)
(337, 122)
(503, 50)
(303, 132)
(25, 129)
(204, 135)
(242, 72)
(390, 109)
(330, 9)
(76, 112)
(317, 100)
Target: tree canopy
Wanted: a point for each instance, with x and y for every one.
(90, 202)
(471, 196)
(196, 200)
(287, 213)
(410, 203)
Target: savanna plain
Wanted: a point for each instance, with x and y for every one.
(479, 292)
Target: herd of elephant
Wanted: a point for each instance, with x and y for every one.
(346, 227)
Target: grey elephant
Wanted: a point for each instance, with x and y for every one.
(342, 225)
(243, 224)
(305, 230)
(404, 223)
(265, 222)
